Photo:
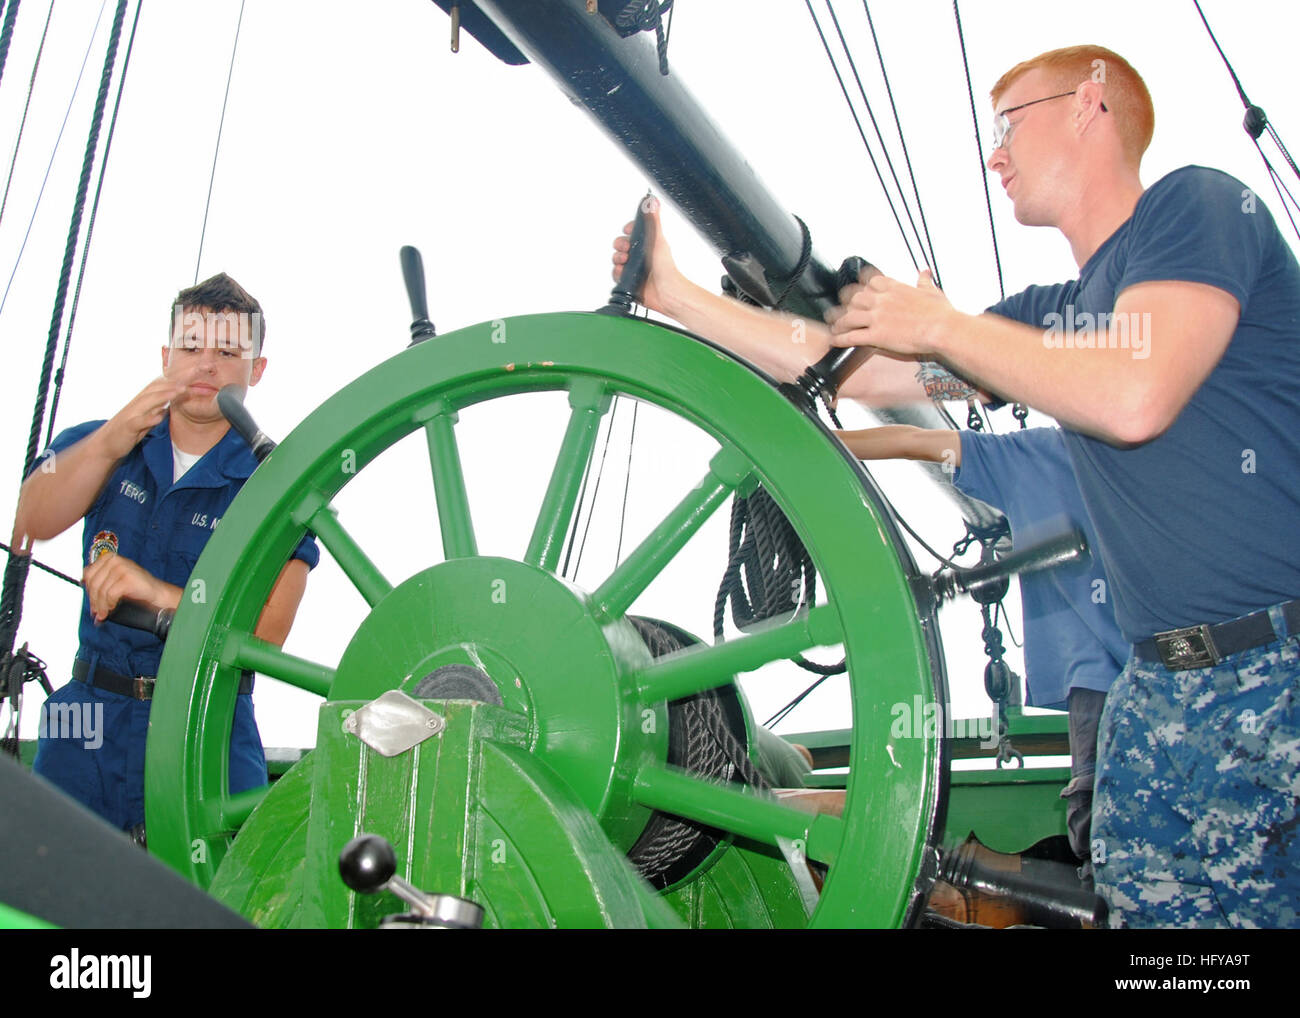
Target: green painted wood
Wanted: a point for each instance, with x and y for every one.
(894, 790)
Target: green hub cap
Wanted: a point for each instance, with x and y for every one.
(584, 679)
(534, 636)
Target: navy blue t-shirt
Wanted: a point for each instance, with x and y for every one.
(1200, 523)
(160, 525)
(1071, 639)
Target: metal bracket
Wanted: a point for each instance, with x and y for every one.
(393, 723)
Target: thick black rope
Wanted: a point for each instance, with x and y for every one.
(861, 133)
(74, 232)
(230, 73)
(90, 227)
(647, 16)
(7, 33)
(22, 125)
(16, 571)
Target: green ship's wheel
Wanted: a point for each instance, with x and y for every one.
(570, 662)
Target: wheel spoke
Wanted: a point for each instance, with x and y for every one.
(742, 812)
(694, 670)
(243, 650)
(728, 471)
(448, 482)
(364, 574)
(228, 813)
(590, 401)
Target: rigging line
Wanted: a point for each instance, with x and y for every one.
(41, 565)
(595, 492)
(31, 86)
(1250, 107)
(862, 134)
(884, 149)
(7, 33)
(230, 73)
(90, 227)
(627, 482)
(979, 147)
(74, 231)
(1233, 74)
(41, 193)
(898, 124)
(1278, 185)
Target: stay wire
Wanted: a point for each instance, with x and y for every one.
(41, 565)
(595, 492)
(207, 205)
(57, 141)
(862, 134)
(90, 227)
(884, 149)
(74, 233)
(22, 124)
(979, 149)
(898, 124)
(627, 482)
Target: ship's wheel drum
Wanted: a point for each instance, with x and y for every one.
(895, 795)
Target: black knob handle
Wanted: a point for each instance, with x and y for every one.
(828, 374)
(230, 401)
(139, 616)
(367, 863)
(413, 275)
(627, 291)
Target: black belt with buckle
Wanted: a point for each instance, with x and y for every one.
(137, 687)
(1206, 645)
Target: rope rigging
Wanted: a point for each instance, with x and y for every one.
(22, 125)
(7, 33)
(90, 227)
(1256, 123)
(67, 113)
(19, 563)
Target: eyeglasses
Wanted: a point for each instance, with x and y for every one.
(1002, 126)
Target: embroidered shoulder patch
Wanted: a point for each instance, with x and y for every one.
(104, 542)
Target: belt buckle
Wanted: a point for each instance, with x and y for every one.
(142, 687)
(1193, 647)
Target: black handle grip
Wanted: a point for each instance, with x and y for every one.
(413, 276)
(367, 863)
(138, 616)
(1055, 551)
(828, 374)
(230, 402)
(627, 291)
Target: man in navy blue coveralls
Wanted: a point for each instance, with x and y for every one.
(151, 483)
(1173, 363)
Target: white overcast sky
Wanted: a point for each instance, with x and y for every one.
(352, 130)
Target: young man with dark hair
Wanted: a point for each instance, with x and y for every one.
(152, 484)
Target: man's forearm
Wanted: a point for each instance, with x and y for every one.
(784, 345)
(63, 488)
(1090, 390)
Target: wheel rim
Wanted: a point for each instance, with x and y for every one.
(894, 797)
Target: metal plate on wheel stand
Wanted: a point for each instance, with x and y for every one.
(393, 723)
